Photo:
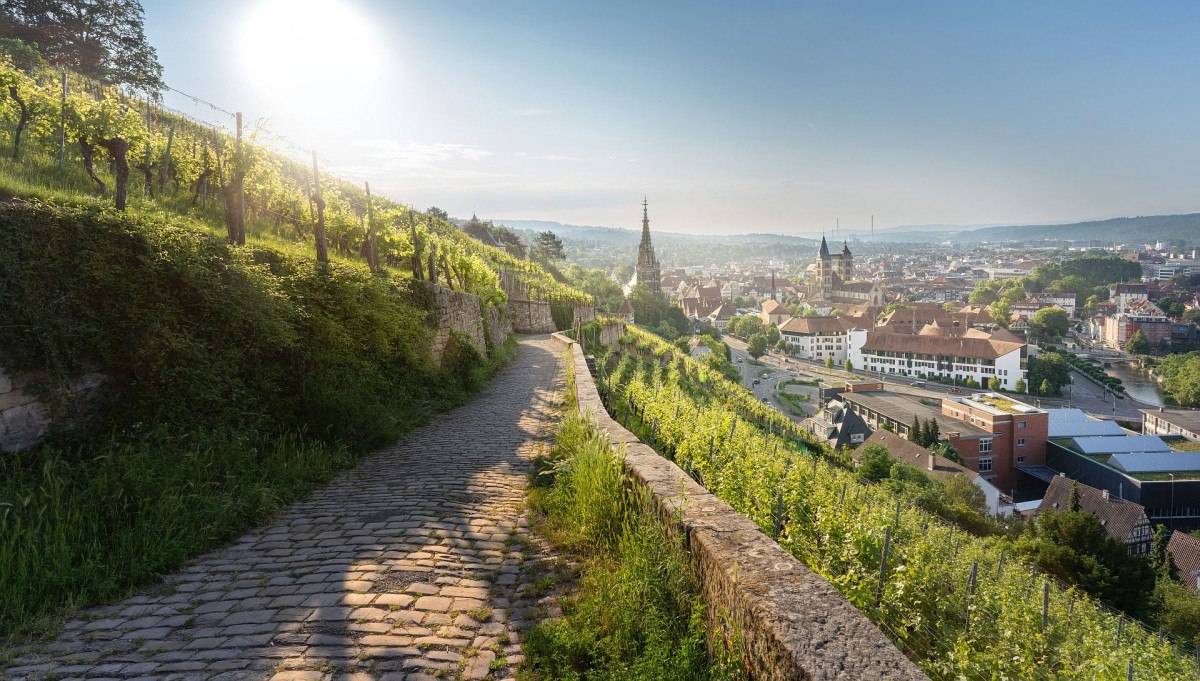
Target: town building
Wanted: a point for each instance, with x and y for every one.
(835, 281)
(1123, 520)
(938, 467)
(775, 312)
(837, 425)
(950, 353)
(1185, 551)
(817, 337)
(648, 272)
(1137, 315)
(1163, 421)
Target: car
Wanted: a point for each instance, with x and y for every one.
(755, 382)
(918, 384)
(954, 391)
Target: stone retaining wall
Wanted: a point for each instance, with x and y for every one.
(531, 316)
(611, 333)
(459, 311)
(24, 419)
(793, 624)
(498, 325)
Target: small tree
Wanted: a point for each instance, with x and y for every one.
(829, 362)
(757, 345)
(848, 365)
(1020, 386)
(1138, 344)
(935, 432)
(874, 463)
(1047, 387)
(772, 334)
(994, 383)
(914, 431)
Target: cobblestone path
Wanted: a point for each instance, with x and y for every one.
(416, 564)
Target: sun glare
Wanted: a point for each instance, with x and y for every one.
(309, 51)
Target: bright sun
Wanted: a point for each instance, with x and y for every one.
(308, 51)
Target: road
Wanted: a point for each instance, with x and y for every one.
(1082, 394)
(791, 365)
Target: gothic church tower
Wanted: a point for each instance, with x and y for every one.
(648, 271)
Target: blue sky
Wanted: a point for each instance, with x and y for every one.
(731, 117)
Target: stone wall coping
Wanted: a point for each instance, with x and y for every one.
(793, 623)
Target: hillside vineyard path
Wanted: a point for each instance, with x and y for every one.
(416, 564)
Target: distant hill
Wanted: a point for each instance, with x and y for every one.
(1141, 229)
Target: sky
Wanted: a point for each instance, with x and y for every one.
(784, 117)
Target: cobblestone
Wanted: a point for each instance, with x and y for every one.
(410, 566)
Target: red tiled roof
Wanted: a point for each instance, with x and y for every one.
(1185, 550)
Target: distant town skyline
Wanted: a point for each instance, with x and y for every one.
(762, 117)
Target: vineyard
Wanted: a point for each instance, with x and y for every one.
(953, 602)
(76, 140)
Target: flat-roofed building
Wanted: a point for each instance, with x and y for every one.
(1185, 422)
(1018, 433)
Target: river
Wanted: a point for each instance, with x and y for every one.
(1139, 386)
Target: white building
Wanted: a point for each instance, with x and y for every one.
(1064, 300)
(817, 337)
(939, 352)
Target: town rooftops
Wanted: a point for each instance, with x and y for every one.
(1127, 444)
(916, 456)
(816, 325)
(1157, 462)
(994, 403)
(1118, 516)
(1185, 550)
(723, 311)
(902, 408)
(1187, 419)
(1075, 423)
(774, 307)
(963, 346)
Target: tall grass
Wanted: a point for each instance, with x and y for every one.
(86, 523)
(636, 611)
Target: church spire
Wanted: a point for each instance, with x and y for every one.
(647, 266)
(824, 248)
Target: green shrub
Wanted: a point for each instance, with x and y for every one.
(563, 315)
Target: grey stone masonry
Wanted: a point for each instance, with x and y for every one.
(417, 564)
(24, 419)
(793, 624)
(459, 311)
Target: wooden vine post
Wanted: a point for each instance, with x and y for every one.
(239, 177)
(371, 247)
(166, 163)
(319, 231)
(62, 121)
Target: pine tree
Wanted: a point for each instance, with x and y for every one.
(914, 431)
(1074, 504)
(935, 433)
